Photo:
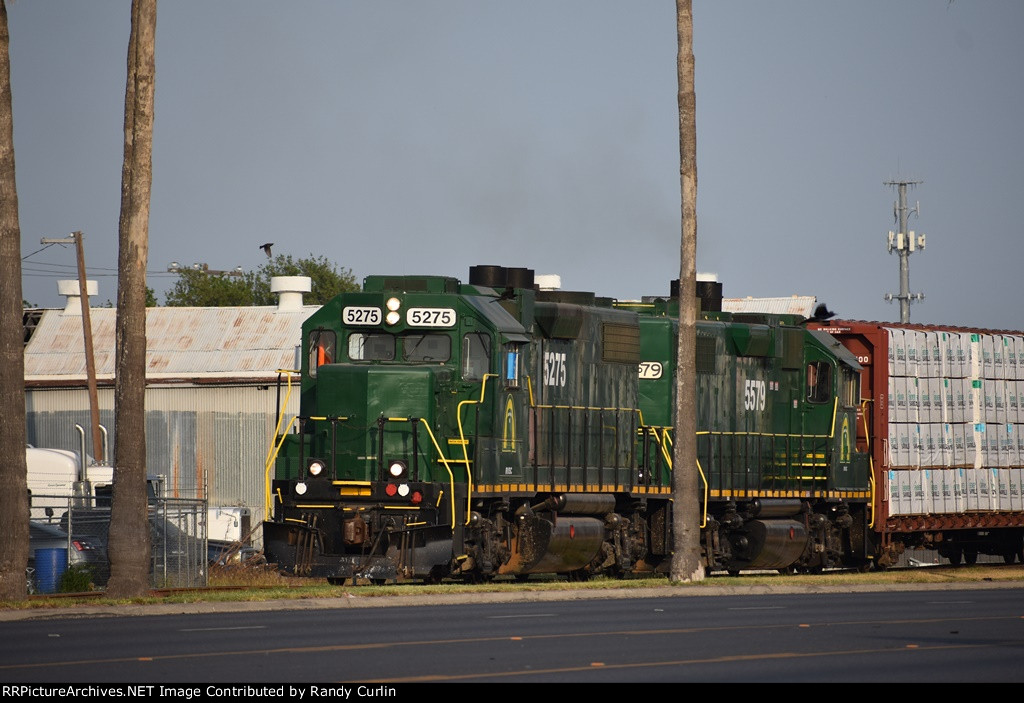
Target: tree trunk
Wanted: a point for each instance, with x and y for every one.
(13, 482)
(128, 545)
(686, 518)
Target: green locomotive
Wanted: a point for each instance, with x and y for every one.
(490, 428)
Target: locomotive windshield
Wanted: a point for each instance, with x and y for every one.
(426, 347)
(380, 346)
(363, 346)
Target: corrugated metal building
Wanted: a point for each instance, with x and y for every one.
(211, 399)
(793, 305)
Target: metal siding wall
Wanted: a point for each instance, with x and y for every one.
(207, 441)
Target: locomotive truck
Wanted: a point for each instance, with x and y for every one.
(491, 428)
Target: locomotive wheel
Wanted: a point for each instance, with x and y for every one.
(955, 556)
(435, 575)
(522, 578)
(970, 557)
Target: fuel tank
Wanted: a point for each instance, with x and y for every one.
(766, 544)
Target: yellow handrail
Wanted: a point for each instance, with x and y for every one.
(704, 512)
(871, 460)
(440, 454)
(451, 476)
(462, 441)
(275, 445)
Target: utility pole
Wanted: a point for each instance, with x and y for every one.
(90, 363)
(905, 243)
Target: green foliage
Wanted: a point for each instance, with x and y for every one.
(327, 280)
(196, 288)
(76, 579)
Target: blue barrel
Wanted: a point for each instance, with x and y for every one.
(50, 566)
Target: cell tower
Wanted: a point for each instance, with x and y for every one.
(905, 243)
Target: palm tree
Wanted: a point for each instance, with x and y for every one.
(128, 546)
(13, 482)
(686, 563)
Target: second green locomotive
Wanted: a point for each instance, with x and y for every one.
(490, 428)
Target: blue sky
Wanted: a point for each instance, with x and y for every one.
(427, 137)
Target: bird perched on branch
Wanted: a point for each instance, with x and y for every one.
(266, 248)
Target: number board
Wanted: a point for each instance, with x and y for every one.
(352, 315)
(650, 369)
(430, 317)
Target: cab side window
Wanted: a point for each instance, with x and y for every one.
(819, 382)
(323, 346)
(476, 356)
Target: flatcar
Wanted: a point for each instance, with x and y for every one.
(492, 428)
(942, 417)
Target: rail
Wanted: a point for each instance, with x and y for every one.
(464, 442)
(700, 473)
(278, 441)
(871, 461)
(765, 461)
(415, 422)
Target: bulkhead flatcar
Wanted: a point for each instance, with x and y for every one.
(491, 428)
(942, 416)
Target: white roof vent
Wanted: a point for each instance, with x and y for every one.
(73, 292)
(290, 290)
(548, 281)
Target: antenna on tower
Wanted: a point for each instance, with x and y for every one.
(905, 243)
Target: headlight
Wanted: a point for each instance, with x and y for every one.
(392, 318)
(393, 304)
(396, 469)
(300, 488)
(316, 467)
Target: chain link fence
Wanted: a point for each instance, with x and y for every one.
(177, 538)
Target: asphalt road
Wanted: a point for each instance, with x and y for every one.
(921, 633)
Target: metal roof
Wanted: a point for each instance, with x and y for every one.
(181, 343)
(793, 305)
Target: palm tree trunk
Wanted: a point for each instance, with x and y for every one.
(128, 546)
(13, 482)
(686, 562)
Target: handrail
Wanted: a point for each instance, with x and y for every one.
(451, 476)
(704, 512)
(273, 451)
(462, 441)
(444, 459)
(871, 460)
